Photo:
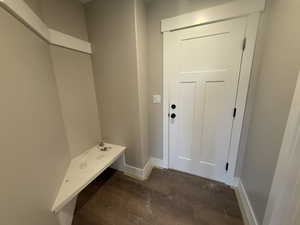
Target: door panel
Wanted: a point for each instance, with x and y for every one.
(203, 65)
(192, 53)
(187, 101)
(212, 112)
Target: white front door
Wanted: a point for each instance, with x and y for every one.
(203, 66)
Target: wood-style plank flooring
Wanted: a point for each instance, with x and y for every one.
(166, 198)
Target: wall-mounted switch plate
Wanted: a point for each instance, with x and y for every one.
(156, 99)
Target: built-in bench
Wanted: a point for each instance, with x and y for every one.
(82, 170)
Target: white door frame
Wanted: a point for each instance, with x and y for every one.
(284, 196)
(235, 9)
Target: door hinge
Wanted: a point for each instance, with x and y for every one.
(234, 112)
(244, 44)
(227, 166)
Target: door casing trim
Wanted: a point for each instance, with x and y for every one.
(227, 11)
(214, 14)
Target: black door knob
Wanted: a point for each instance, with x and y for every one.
(173, 115)
(173, 106)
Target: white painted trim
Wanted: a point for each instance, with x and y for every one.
(23, 12)
(235, 182)
(82, 170)
(119, 164)
(245, 74)
(242, 93)
(284, 200)
(222, 12)
(245, 204)
(65, 216)
(141, 75)
(147, 169)
(138, 173)
(26, 15)
(156, 162)
(165, 105)
(67, 41)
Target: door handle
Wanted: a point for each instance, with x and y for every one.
(173, 116)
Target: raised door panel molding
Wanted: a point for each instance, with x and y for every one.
(229, 10)
(23, 12)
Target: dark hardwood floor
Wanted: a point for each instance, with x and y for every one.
(166, 198)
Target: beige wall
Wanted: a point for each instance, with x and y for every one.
(38, 125)
(36, 6)
(141, 43)
(275, 83)
(34, 151)
(117, 31)
(66, 16)
(156, 11)
(111, 26)
(75, 82)
(74, 76)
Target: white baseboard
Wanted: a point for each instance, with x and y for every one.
(245, 204)
(138, 173)
(156, 162)
(65, 216)
(234, 183)
(143, 174)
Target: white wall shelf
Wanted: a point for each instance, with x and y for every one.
(23, 12)
(82, 170)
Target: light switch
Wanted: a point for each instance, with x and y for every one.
(156, 99)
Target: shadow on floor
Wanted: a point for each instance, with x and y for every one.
(166, 198)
